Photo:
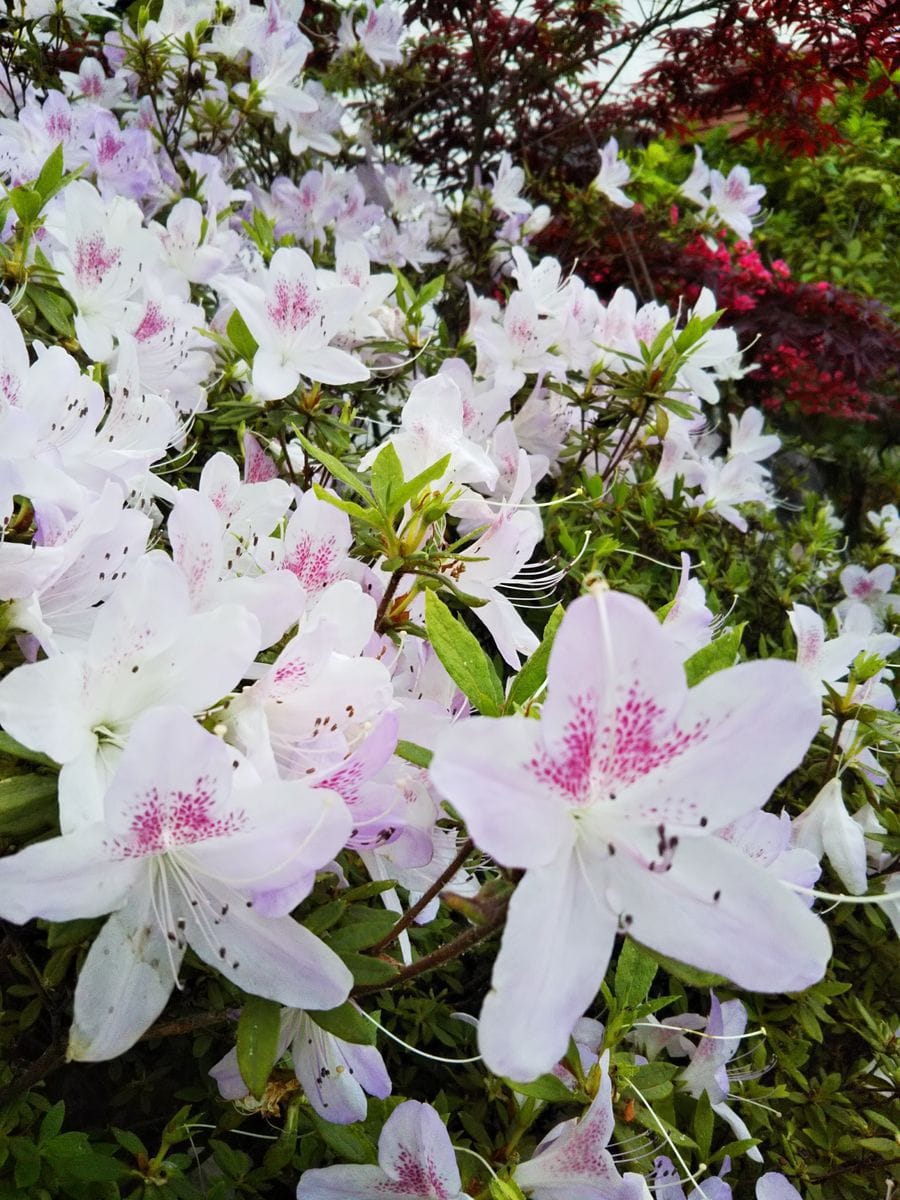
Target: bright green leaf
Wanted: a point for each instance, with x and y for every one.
(257, 1042)
(463, 658)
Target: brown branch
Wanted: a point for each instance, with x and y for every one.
(445, 953)
(425, 899)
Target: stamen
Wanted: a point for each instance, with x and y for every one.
(475, 1154)
(422, 1053)
(688, 1174)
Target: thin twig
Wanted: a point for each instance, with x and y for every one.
(425, 899)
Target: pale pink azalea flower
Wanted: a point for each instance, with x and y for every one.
(697, 183)
(172, 359)
(105, 250)
(319, 700)
(432, 425)
(614, 174)
(259, 467)
(706, 1073)
(415, 1162)
(27, 141)
(573, 1161)
(316, 130)
(726, 483)
(826, 828)
(177, 18)
(335, 1074)
(735, 200)
(828, 660)
(711, 359)
(747, 436)
(76, 10)
(608, 803)
(195, 247)
(146, 648)
(250, 511)
(183, 834)
(92, 85)
(90, 553)
(768, 840)
(517, 345)
(667, 1183)
(484, 401)
(872, 588)
(886, 521)
(198, 539)
(506, 189)
(293, 321)
(306, 209)
(688, 621)
(276, 67)
(123, 160)
(378, 34)
(353, 267)
(316, 545)
(498, 557)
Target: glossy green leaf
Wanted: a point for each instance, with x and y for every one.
(462, 656)
(257, 1042)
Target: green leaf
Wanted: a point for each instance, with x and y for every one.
(347, 1141)
(703, 1125)
(241, 337)
(387, 476)
(54, 308)
(363, 927)
(50, 178)
(27, 804)
(430, 291)
(368, 516)
(506, 1189)
(533, 674)
(52, 1121)
(545, 1087)
(27, 203)
(346, 1022)
(635, 971)
(257, 1042)
(413, 753)
(72, 933)
(368, 970)
(412, 487)
(73, 1157)
(717, 656)
(463, 658)
(336, 468)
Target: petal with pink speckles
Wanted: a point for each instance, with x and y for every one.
(483, 766)
(737, 735)
(574, 1156)
(415, 1152)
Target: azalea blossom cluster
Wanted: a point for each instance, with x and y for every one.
(244, 671)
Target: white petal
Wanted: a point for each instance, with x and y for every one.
(556, 946)
(125, 982)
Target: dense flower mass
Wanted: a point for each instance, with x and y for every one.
(340, 641)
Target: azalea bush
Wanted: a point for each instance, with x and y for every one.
(446, 729)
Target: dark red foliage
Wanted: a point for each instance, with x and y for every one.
(485, 79)
(744, 65)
